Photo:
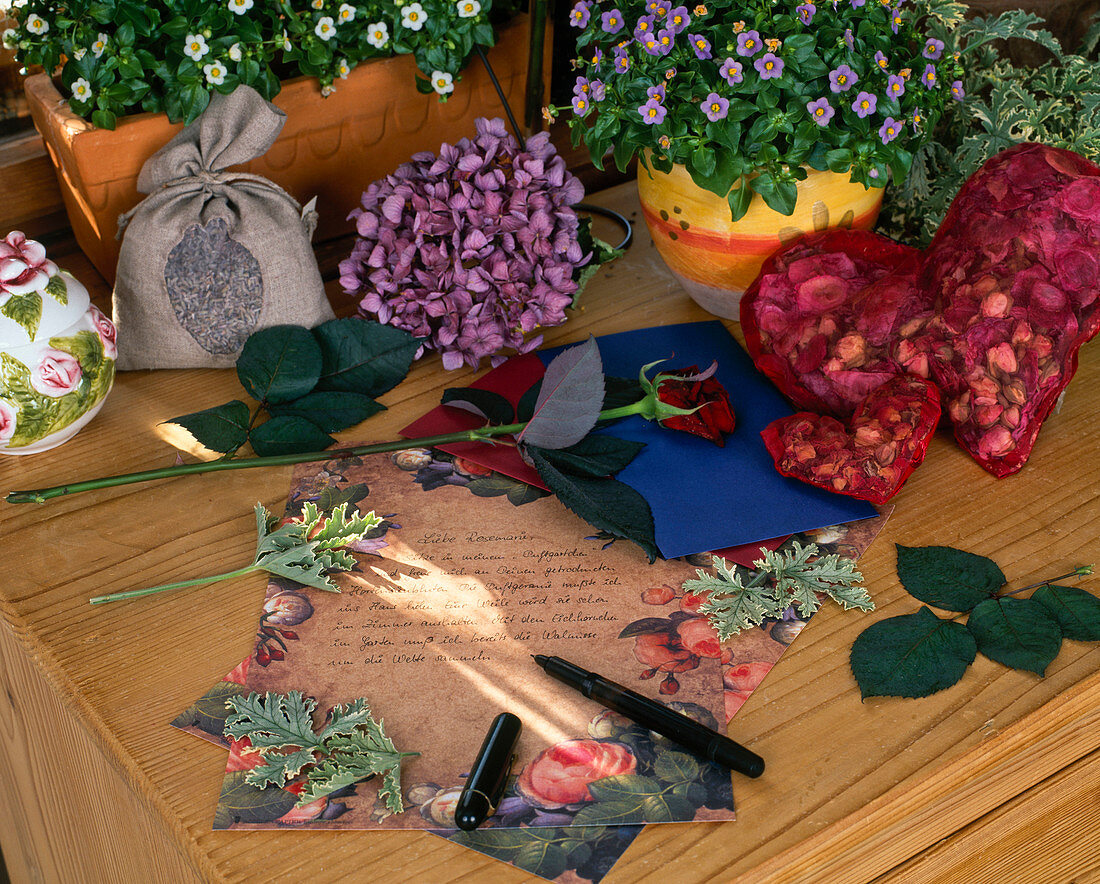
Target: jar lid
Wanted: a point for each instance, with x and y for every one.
(37, 300)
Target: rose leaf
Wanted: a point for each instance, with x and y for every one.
(330, 410)
(1077, 611)
(288, 435)
(484, 403)
(594, 456)
(280, 363)
(570, 400)
(1020, 633)
(948, 578)
(223, 428)
(364, 357)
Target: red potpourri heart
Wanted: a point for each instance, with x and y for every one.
(887, 439)
(994, 312)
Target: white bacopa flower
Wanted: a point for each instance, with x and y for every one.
(235, 53)
(318, 4)
(326, 27)
(442, 82)
(468, 8)
(36, 24)
(10, 38)
(286, 42)
(413, 17)
(215, 73)
(343, 68)
(79, 53)
(195, 46)
(326, 91)
(82, 90)
(100, 44)
(240, 6)
(378, 34)
(346, 13)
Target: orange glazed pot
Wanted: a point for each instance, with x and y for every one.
(331, 148)
(716, 259)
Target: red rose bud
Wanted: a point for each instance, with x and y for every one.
(705, 400)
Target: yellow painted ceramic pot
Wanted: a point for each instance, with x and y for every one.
(715, 258)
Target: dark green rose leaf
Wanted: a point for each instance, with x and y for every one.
(522, 493)
(241, 802)
(696, 793)
(594, 456)
(667, 809)
(288, 435)
(280, 363)
(570, 399)
(1020, 633)
(330, 410)
(223, 428)
(364, 357)
(948, 578)
(486, 404)
(623, 786)
(913, 655)
(607, 504)
(526, 405)
(618, 392)
(1077, 611)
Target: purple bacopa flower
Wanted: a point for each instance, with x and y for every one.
(929, 76)
(598, 92)
(933, 48)
(715, 107)
(732, 71)
(806, 13)
(653, 112)
(580, 105)
(865, 104)
(656, 93)
(666, 38)
(769, 65)
(820, 111)
(889, 130)
(701, 45)
(678, 19)
(856, 4)
(881, 60)
(842, 79)
(622, 60)
(612, 21)
(895, 19)
(581, 86)
(644, 28)
(580, 14)
(957, 91)
(895, 86)
(472, 249)
(748, 43)
(849, 39)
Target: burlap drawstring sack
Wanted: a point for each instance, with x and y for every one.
(211, 256)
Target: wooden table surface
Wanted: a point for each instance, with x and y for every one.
(994, 780)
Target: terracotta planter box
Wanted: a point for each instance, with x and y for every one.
(330, 147)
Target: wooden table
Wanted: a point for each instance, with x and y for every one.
(994, 780)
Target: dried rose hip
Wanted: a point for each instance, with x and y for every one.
(994, 312)
(873, 456)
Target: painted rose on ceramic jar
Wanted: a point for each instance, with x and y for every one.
(58, 350)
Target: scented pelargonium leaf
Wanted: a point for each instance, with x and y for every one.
(1077, 611)
(1020, 633)
(913, 655)
(280, 363)
(948, 578)
(223, 428)
(731, 606)
(800, 574)
(569, 400)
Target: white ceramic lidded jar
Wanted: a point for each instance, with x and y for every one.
(57, 350)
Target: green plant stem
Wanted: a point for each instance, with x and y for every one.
(1081, 571)
(198, 581)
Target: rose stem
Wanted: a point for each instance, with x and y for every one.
(136, 593)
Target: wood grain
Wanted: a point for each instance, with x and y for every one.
(854, 791)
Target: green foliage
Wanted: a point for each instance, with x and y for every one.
(25, 310)
(793, 575)
(126, 56)
(761, 141)
(309, 383)
(349, 748)
(915, 655)
(1055, 103)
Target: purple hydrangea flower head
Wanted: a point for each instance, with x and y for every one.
(598, 91)
(701, 45)
(769, 65)
(732, 71)
(715, 107)
(842, 79)
(881, 60)
(865, 104)
(749, 43)
(471, 249)
(612, 21)
(806, 13)
(678, 19)
(820, 111)
(895, 86)
(929, 76)
(581, 12)
(957, 91)
(644, 28)
(652, 112)
(889, 130)
(933, 48)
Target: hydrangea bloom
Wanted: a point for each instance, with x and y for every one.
(473, 249)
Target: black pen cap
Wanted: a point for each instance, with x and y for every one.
(489, 774)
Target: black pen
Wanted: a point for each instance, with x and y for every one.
(485, 785)
(655, 716)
